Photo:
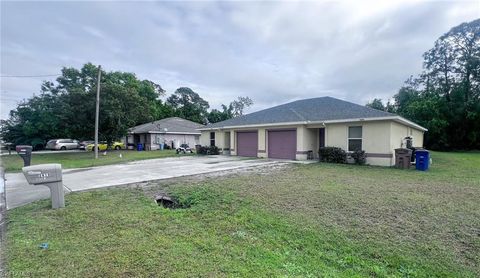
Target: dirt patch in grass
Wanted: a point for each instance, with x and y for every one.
(389, 211)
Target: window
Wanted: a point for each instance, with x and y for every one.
(354, 138)
(212, 138)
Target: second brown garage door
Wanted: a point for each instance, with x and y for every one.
(282, 144)
(247, 143)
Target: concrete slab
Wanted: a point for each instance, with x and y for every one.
(20, 193)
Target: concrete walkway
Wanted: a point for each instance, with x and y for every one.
(19, 192)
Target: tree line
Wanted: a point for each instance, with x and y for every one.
(66, 108)
(445, 97)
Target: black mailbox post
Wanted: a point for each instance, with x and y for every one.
(25, 152)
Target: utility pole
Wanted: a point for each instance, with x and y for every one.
(97, 111)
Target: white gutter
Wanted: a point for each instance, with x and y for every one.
(162, 132)
(412, 124)
(391, 118)
(254, 125)
(188, 133)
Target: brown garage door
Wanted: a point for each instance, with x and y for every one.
(247, 143)
(282, 144)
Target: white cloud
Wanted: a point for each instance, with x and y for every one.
(273, 52)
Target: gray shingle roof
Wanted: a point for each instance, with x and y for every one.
(313, 109)
(168, 125)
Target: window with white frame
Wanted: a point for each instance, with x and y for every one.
(354, 138)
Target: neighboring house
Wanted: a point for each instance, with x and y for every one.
(171, 131)
(299, 128)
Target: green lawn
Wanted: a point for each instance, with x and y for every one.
(303, 221)
(14, 163)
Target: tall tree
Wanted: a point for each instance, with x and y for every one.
(239, 105)
(451, 72)
(234, 109)
(189, 105)
(445, 97)
(376, 104)
(216, 116)
(66, 108)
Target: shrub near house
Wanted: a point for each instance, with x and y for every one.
(359, 157)
(338, 155)
(209, 150)
(332, 155)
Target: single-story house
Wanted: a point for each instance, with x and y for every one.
(171, 131)
(297, 130)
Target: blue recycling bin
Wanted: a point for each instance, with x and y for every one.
(139, 147)
(422, 160)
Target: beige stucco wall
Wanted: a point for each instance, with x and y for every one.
(233, 142)
(219, 139)
(375, 139)
(400, 131)
(335, 135)
(379, 139)
(306, 141)
(262, 145)
(205, 138)
(417, 137)
(375, 135)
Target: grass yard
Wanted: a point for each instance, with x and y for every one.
(14, 163)
(303, 221)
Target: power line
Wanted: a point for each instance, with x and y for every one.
(28, 76)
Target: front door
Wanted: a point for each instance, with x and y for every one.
(321, 137)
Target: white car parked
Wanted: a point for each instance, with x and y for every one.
(62, 144)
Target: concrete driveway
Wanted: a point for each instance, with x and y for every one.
(19, 192)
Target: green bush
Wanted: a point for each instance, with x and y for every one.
(359, 157)
(213, 150)
(332, 155)
(203, 150)
(208, 150)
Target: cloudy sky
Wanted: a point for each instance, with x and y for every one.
(273, 52)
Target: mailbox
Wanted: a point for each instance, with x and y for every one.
(25, 152)
(49, 175)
